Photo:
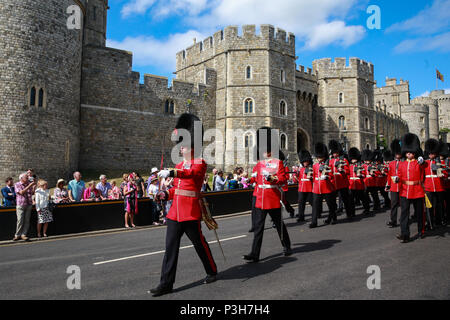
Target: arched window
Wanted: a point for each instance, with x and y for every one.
(283, 108)
(366, 100)
(33, 97)
(341, 97)
(422, 133)
(41, 98)
(248, 105)
(282, 76)
(283, 141)
(366, 123)
(172, 107)
(367, 146)
(169, 107)
(248, 72)
(248, 140)
(166, 107)
(342, 122)
(299, 95)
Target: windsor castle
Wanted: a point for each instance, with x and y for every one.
(70, 103)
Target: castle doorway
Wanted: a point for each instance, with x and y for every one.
(302, 140)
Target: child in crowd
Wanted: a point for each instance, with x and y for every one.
(42, 196)
(114, 193)
(91, 193)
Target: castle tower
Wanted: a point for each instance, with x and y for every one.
(418, 118)
(433, 114)
(95, 26)
(255, 86)
(39, 88)
(347, 111)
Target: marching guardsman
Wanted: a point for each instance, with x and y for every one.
(411, 174)
(435, 177)
(305, 183)
(271, 175)
(285, 187)
(340, 169)
(444, 154)
(370, 181)
(323, 187)
(382, 161)
(356, 180)
(393, 182)
(185, 213)
(255, 191)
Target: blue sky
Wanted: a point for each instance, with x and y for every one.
(413, 41)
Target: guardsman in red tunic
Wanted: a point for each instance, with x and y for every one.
(393, 182)
(323, 187)
(370, 181)
(305, 183)
(356, 180)
(285, 187)
(255, 191)
(412, 176)
(271, 175)
(435, 177)
(444, 152)
(341, 170)
(382, 163)
(185, 213)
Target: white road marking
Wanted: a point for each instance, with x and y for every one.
(162, 251)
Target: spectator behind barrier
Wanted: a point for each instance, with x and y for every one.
(91, 193)
(220, 181)
(24, 203)
(103, 186)
(61, 194)
(9, 193)
(114, 193)
(232, 182)
(42, 197)
(76, 188)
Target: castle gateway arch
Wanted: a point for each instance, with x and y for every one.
(303, 140)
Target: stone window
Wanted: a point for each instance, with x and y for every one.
(248, 140)
(368, 146)
(248, 106)
(169, 107)
(282, 76)
(94, 13)
(342, 122)
(422, 119)
(366, 123)
(283, 141)
(248, 72)
(37, 96)
(395, 99)
(341, 97)
(41, 98)
(422, 133)
(283, 108)
(366, 100)
(32, 97)
(201, 46)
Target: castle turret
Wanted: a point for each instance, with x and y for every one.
(95, 25)
(40, 87)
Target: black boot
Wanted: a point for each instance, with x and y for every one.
(161, 290)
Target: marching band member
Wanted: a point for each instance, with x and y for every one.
(370, 181)
(393, 183)
(323, 187)
(305, 183)
(411, 174)
(381, 179)
(271, 175)
(356, 180)
(340, 169)
(185, 213)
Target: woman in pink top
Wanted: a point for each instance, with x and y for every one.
(114, 193)
(91, 193)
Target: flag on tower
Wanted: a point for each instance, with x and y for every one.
(439, 75)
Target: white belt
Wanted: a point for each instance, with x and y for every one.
(431, 176)
(306, 180)
(336, 173)
(354, 178)
(267, 186)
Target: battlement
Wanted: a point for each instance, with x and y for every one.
(308, 74)
(326, 68)
(229, 38)
(392, 82)
(424, 101)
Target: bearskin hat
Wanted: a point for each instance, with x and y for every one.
(411, 143)
(443, 149)
(377, 155)
(305, 156)
(193, 125)
(396, 147)
(387, 155)
(366, 155)
(320, 150)
(354, 153)
(335, 147)
(432, 146)
(266, 139)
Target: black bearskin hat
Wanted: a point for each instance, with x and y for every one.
(388, 156)
(354, 153)
(411, 143)
(335, 147)
(443, 149)
(377, 155)
(265, 137)
(366, 155)
(305, 156)
(396, 147)
(320, 150)
(432, 146)
(191, 123)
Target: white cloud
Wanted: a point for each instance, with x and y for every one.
(425, 94)
(177, 7)
(440, 43)
(148, 51)
(428, 21)
(334, 32)
(136, 7)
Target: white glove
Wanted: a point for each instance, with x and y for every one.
(163, 174)
(254, 174)
(323, 177)
(420, 160)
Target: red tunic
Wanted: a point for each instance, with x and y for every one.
(322, 186)
(285, 186)
(382, 177)
(356, 182)
(432, 182)
(412, 176)
(340, 177)
(189, 177)
(370, 181)
(268, 195)
(304, 184)
(392, 173)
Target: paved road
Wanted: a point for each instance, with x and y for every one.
(329, 262)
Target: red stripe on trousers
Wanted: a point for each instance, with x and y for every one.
(205, 245)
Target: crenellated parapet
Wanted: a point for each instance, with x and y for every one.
(306, 74)
(356, 68)
(229, 39)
